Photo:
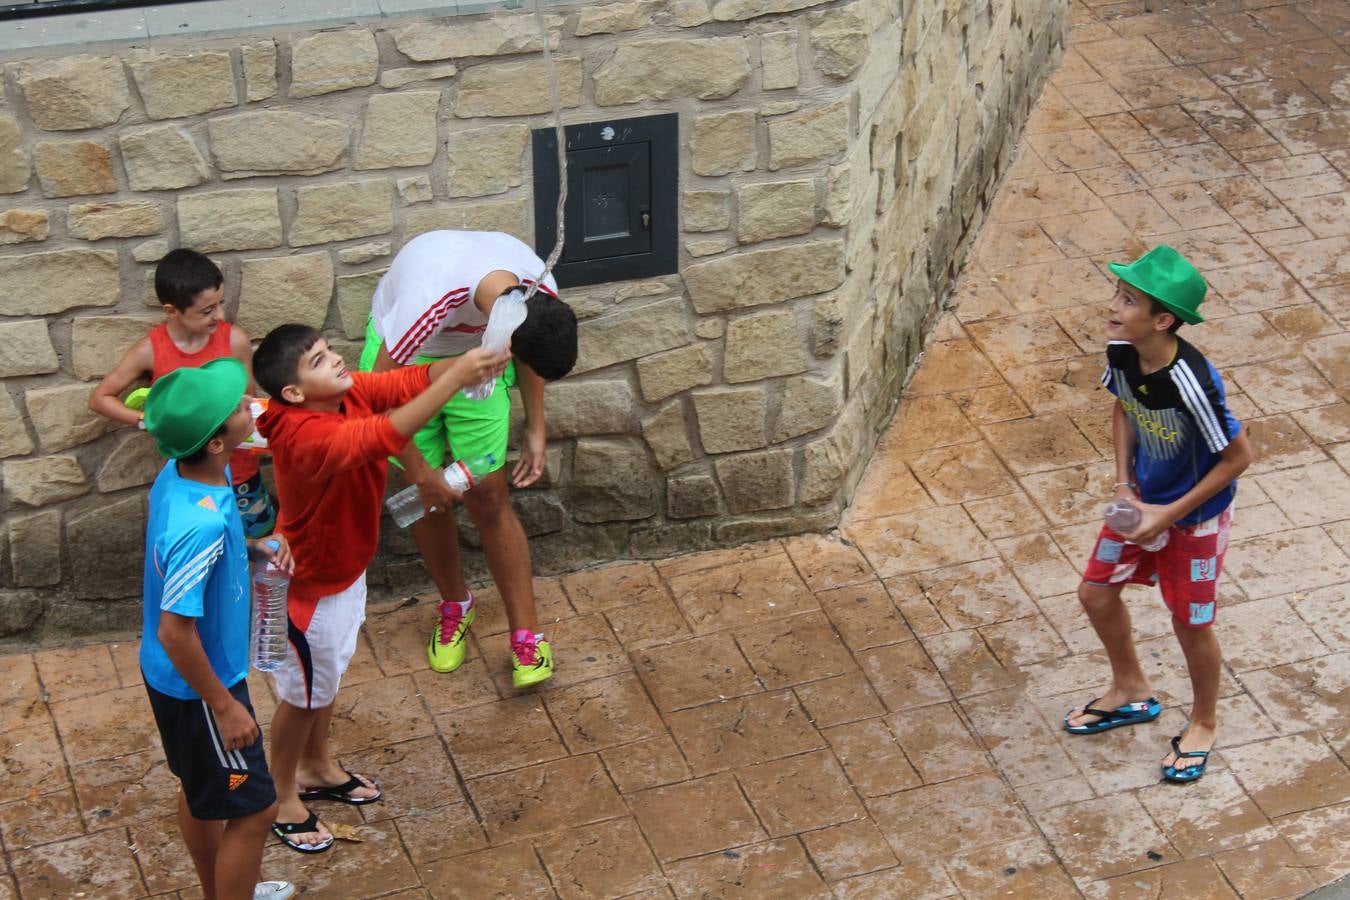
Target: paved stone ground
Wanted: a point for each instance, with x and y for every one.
(877, 716)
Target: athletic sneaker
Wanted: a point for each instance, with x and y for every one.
(447, 655)
(273, 890)
(531, 658)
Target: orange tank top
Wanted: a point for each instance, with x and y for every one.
(167, 357)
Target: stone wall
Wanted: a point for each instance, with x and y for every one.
(835, 160)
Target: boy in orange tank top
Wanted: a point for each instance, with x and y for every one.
(194, 332)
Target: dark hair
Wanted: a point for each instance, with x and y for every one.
(199, 454)
(183, 274)
(1156, 308)
(276, 362)
(547, 340)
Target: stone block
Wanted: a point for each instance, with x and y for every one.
(14, 168)
(731, 419)
(664, 374)
(35, 548)
(399, 130)
(62, 418)
(393, 79)
(20, 226)
(44, 480)
(150, 252)
(764, 276)
(762, 528)
(135, 461)
(500, 35)
(668, 436)
(283, 289)
(839, 39)
(26, 349)
(775, 209)
(19, 611)
(163, 158)
(260, 70)
(71, 93)
(710, 329)
(115, 218)
(815, 134)
(629, 333)
(483, 161)
(705, 210)
(540, 512)
(578, 547)
(613, 18)
(517, 89)
(100, 341)
(276, 142)
(235, 219)
(724, 143)
(740, 10)
(708, 68)
(778, 60)
(763, 345)
(611, 481)
(333, 61)
(709, 246)
(353, 301)
(415, 189)
(513, 216)
(42, 284)
(74, 168)
(756, 481)
(14, 439)
(342, 210)
(574, 408)
(847, 186)
(689, 13)
(173, 85)
(659, 541)
(809, 404)
(692, 496)
(111, 539)
(364, 253)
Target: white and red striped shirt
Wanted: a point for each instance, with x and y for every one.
(424, 304)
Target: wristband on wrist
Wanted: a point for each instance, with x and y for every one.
(1128, 484)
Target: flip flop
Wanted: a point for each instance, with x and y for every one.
(342, 793)
(1185, 774)
(1129, 714)
(284, 830)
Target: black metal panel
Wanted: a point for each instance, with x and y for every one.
(622, 185)
(11, 9)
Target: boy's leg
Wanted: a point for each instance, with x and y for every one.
(1110, 618)
(290, 731)
(1204, 662)
(202, 837)
(239, 860)
(506, 548)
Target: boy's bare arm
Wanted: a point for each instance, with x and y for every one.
(178, 635)
(449, 376)
(1123, 439)
(135, 364)
(241, 348)
(1233, 461)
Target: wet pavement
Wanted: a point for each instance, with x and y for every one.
(876, 713)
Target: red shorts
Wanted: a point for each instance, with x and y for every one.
(1186, 570)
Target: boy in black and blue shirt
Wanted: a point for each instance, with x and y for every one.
(1178, 453)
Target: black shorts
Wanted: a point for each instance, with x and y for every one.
(218, 783)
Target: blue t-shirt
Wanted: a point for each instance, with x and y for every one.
(1181, 424)
(196, 565)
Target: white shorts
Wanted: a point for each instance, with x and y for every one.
(319, 655)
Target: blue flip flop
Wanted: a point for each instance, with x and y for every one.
(1185, 773)
(1129, 714)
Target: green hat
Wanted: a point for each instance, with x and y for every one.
(1165, 275)
(186, 408)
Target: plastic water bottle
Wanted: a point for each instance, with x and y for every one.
(507, 314)
(461, 475)
(1124, 517)
(267, 635)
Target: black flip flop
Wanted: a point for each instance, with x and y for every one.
(284, 830)
(342, 793)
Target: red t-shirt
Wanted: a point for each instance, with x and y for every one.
(331, 469)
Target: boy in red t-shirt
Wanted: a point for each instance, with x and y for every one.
(331, 433)
(194, 332)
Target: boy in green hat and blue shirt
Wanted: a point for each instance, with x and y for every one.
(195, 641)
(1179, 452)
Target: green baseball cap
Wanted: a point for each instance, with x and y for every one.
(187, 407)
(1169, 278)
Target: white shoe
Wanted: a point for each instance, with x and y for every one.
(273, 890)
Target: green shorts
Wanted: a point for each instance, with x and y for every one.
(464, 428)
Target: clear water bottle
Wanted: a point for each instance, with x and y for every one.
(267, 634)
(461, 475)
(507, 314)
(1124, 517)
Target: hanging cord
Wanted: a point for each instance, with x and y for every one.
(562, 150)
